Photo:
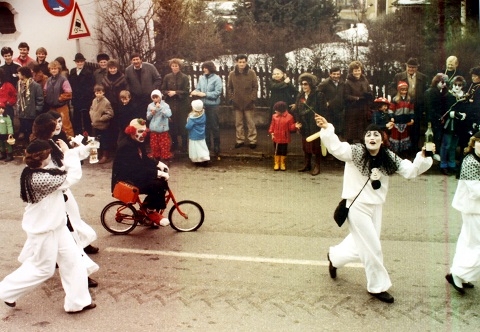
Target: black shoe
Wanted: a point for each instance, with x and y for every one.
(444, 171)
(88, 307)
(253, 146)
(449, 278)
(239, 145)
(467, 285)
(11, 304)
(383, 296)
(90, 250)
(92, 283)
(331, 269)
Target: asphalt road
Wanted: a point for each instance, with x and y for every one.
(259, 261)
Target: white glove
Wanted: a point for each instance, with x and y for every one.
(452, 114)
(77, 140)
(164, 175)
(463, 116)
(161, 166)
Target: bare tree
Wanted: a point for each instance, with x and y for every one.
(124, 27)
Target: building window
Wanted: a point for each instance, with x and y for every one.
(7, 22)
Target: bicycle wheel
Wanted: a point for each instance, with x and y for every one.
(188, 217)
(119, 218)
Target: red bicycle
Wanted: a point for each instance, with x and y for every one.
(123, 215)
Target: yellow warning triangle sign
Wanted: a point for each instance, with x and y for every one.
(78, 27)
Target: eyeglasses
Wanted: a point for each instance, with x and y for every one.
(304, 84)
(458, 84)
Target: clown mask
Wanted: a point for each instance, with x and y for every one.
(140, 134)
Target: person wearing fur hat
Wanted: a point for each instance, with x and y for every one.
(158, 115)
(196, 122)
(417, 86)
(242, 88)
(6, 131)
(100, 73)
(309, 102)
(132, 165)
(48, 239)
(368, 167)
(358, 98)
(401, 109)
(281, 126)
(438, 103)
(466, 261)
(281, 89)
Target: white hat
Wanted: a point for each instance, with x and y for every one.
(197, 105)
(156, 92)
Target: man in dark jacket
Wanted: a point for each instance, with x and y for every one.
(333, 89)
(417, 85)
(82, 82)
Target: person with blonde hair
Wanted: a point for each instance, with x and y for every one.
(58, 93)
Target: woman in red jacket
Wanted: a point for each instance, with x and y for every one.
(280, 128)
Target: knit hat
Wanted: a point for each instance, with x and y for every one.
(413, 62)
(38, 145)
(102, 56)
(280, 106)
(381, 100)
(197, 105)
(156, 92)
(281, 68)
(402, 84)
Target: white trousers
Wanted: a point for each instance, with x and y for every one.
(85, 233)
(466, 262)
(363, 245)
(46, 249)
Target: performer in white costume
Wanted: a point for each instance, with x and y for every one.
(466, 262)
(48, 238)
(369, 161)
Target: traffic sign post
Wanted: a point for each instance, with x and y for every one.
(78, 27)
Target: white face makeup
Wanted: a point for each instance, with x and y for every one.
(477, 148)
(140, 134)
(58, 128)
(373, 141)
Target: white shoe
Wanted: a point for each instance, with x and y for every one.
(436, 157)
(164, 222)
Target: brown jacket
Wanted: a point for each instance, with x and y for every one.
(242, 88)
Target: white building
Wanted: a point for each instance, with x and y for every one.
(49, 24)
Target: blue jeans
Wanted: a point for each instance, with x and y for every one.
(447, 151)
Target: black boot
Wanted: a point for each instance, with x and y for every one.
(9, 156)
(307, 163)
(3, 155)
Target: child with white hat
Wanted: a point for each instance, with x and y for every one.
(197, 146)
